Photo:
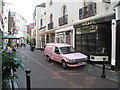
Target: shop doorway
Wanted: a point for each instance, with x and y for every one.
(118, 46)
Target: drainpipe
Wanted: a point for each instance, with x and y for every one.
(113, 52)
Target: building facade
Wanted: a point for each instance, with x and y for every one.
(60, 17)
(4, 21)
(19, 28)
(87, 25)
(94, 32)
(39, 25)
(42, 26)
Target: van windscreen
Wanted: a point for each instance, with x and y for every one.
(67, 50)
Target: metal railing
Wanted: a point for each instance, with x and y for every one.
(63, 20)
(50, 25)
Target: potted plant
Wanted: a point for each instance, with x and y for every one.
(11, 61)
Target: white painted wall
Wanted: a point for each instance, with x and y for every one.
(43, 17)
(39, 14)
(21, 25)
(56, 10)
(117, 11)
(103, 9)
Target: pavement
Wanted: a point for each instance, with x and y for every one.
(92, 72)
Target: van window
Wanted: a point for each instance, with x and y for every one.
(57, 50)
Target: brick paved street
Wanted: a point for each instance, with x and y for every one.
(52, 75)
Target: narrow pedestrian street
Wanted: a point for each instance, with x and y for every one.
(83, 35)
(52, 75)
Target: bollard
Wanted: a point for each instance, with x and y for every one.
(12, 82)
(28, 84)
(103, 71)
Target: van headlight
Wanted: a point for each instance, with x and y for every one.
(86, 58)
(72, 60)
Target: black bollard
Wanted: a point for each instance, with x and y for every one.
(12, 82)
(103, 71)
(28, 84)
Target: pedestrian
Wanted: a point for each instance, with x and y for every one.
(21, 44)
(13, 49)
(24, 45)
(17, 45)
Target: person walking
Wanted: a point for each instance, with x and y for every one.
(24, 45)
(17, 45)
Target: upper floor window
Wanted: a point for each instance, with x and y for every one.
(64, 10)
(106, 1)
(50, 2)
(64, 16)
(50, 25)
(41, 22)
(51, 18)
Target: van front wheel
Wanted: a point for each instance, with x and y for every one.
(64, 65)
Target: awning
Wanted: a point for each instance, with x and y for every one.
(10, 37)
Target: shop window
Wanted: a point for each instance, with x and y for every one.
(85, 43)
(68, 37)
(78, 42)
(103, 39)
(91, 42)
(58, 40)
(94, 39)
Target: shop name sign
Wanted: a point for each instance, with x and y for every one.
(88, 23)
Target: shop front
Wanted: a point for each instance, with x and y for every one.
(50, 36)
(65, 35)
(93, 38)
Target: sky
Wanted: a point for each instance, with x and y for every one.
(24, 7)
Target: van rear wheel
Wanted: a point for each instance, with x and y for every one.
(64, 65)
